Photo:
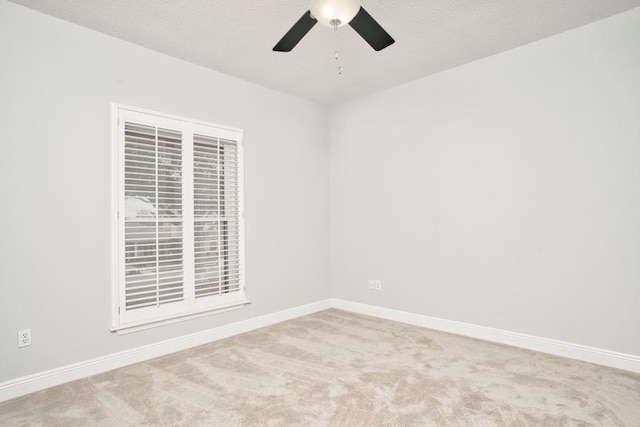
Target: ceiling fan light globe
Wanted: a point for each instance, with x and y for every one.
(334, 13)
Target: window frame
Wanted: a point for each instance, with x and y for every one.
(190, 307)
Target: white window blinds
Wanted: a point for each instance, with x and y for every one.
(179, 217)
(153, 216)
(216, 209)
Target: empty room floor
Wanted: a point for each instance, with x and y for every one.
(340, 368)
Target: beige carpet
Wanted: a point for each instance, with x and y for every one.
(339, 368)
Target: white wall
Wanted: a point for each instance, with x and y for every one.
(57, 81)
(503, 193)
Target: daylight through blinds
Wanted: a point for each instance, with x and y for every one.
(153, 216)
(216, 216)
(179, 227)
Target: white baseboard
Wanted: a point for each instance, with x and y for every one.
(545, 345)
(31, 383)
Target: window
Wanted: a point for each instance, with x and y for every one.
(178, 234)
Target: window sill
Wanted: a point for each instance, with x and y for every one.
(141, 326)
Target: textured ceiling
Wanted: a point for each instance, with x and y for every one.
(235, 37)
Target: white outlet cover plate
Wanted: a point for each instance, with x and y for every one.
(24, 338)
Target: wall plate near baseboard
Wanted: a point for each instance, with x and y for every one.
(598, 356)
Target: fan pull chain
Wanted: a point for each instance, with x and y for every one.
(336, 54)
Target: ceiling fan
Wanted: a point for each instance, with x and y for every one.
(335, 14)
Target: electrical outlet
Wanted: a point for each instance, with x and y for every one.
(375, 285)
(24, 338)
